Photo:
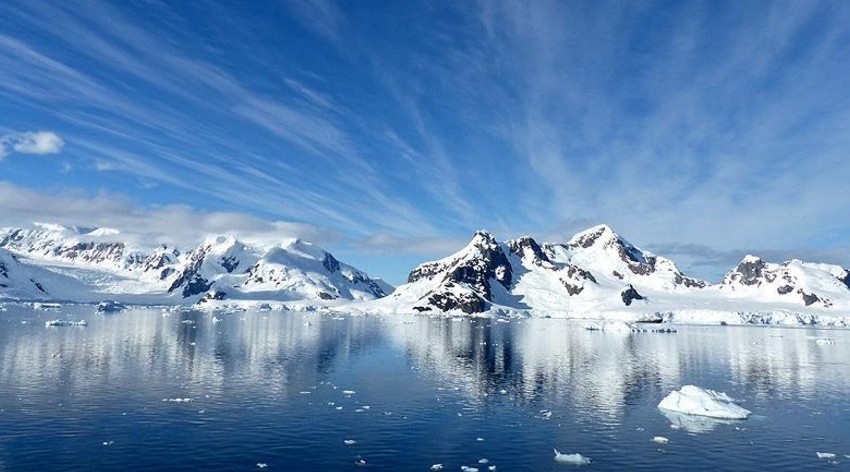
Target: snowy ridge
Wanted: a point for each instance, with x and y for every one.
(599, 274)
(89, 265)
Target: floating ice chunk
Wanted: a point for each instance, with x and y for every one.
(572, 459)
(349, 442)
(825, 455)
(108, 443)
(466, 468)
(437, 467)
(348, 392)
(65, 323)
(503, 392)
(305, 392)
(216, 319)
(262, 465)
(479, 439)
(110, 306)
(177, 400)
(660, 440)
(360, 462)
(693, 400)
(545, 414)
(824, 341)
(610, 326)
(492, 467)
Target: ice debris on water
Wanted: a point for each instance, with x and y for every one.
(824, 341)
(660, 440)
(466, 468)
(484, 461)
(108, 443)
(177, 400)
(349, 442)
(572, 459)
(262, 465)
(65, 323)
(693, 400)
(826, 455)
(437, 467)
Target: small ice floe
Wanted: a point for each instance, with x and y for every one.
(503, 392)
(693, 400)
(366, 407)
(824, 341)
(348, 392)
(572, 459)
(216, 319)
(545, 414)
(108, 443)
(305, 392)
(479, 439)
(177, 400)
(660, 440)
(110, 306)
(339, 408)
(825, 455)
(262, 465)
(466, 468)
(65, 323)
(492, 467)
(360, 462)
(437, 467)
(359, 410)
(349, 442)
(483, 461)
(188, 321)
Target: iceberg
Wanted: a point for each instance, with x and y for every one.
(572, 459)
(693, 400)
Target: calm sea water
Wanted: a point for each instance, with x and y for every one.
(271, 388)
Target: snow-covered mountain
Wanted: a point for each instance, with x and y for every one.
(597, 272)
(86, 265)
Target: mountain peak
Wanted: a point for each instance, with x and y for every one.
(591, 236)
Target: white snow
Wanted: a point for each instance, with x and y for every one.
(826, 455)
(572, 459)
(693, 400)
(660, 440)
(437, 467)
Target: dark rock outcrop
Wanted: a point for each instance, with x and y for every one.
(630, 294)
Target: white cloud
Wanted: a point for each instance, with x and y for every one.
(31, 142)
(178, 225)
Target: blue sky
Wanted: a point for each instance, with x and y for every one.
(389, 131)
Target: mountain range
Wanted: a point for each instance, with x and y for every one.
(596, 273)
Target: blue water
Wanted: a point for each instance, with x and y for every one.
(433, 387)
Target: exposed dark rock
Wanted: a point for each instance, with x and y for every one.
(230, 263)
(528, 247)
(212, 295)
(330, 263)
(425, 271)
(750, 272)
(575, 271)
(4, 272)
(587, 240)
(630, 294)
(422, 308)
(572, 289)
(809, 298)
(784, 289)
(467, 302)
(38, 286)
(327, 296)
(618, 275)
(689, 282)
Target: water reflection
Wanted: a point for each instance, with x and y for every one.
(532, 362)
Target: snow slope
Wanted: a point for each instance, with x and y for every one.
(599, 274)
(89, 265)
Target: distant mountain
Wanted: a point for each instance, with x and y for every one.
(598, 272)
(220, 268)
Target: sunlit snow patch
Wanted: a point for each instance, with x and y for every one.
(693, 400)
